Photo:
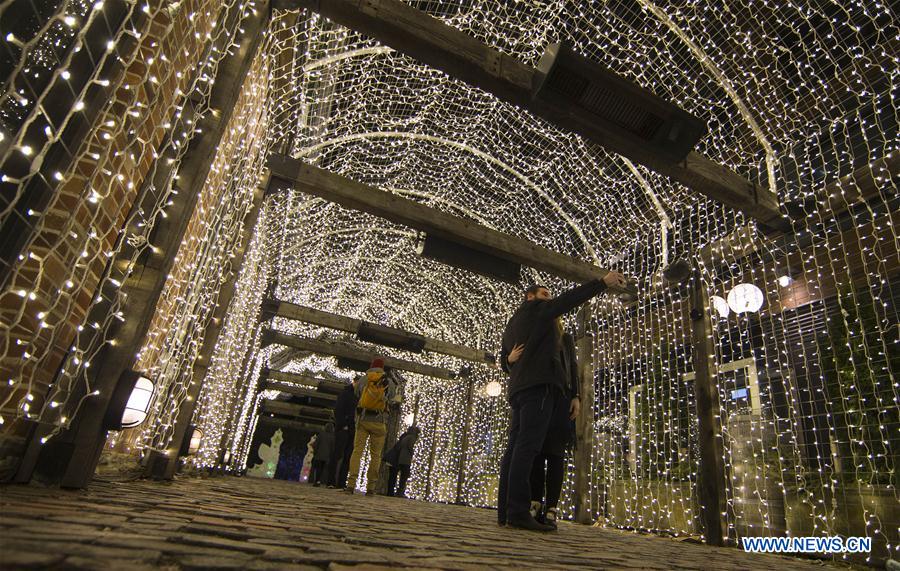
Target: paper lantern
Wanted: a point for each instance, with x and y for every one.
(785, 281)
(493, 389)
(720, 306)
(745, 298)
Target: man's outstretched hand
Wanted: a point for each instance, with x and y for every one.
(515, 353)
(614, 280)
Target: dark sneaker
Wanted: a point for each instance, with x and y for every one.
(348, 490)
(329, 487)
(527, 522)
(550, 518)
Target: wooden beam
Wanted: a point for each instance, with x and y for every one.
(351, 325)
(348, 351)
(297, 391)
(436, 44)
(359, 196)
(324, 385)
(296, 410)
(287, 423)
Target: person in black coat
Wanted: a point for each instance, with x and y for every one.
(399, 457)
(548, 470)
(322, 456)
(537, 388)
(345, 430)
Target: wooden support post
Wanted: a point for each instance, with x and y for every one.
(439, 45)
(348, 351)
(163, 466)
(434, 438)
(584, 425)
(365, 198)
(711, 480)
(70, 459)
(464, 441)
(352, 325)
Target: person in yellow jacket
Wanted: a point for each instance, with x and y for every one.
(375, 392)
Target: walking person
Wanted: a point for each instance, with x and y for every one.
(322, 456)
(344, 431)
(375, 392)
(537, 387)
(399, 458)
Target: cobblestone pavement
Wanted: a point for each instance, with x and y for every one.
(248, 523)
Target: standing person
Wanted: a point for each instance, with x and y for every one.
(399, 457)
(345, 430)
(324, 451)
(374, 393)
(537, 386)
(548, 470)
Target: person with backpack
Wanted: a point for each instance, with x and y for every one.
(322, 455)
(399, 458)
(537, 390)
(375, 392)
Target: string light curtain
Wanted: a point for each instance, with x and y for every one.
(799, 98)
(85, 243)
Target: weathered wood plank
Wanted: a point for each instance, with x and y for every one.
(351, 325)
(304, 380)
(356, 195)
(297, 391)
(296, 410)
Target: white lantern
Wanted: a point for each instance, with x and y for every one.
(493, 389)
(196, 437)
(785, 281)
(745, 298)
(138, 403)
(720, 306)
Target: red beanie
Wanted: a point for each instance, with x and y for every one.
(377, 363)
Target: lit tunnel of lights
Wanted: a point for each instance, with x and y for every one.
(798, 98)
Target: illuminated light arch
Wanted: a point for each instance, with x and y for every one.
(469, 149)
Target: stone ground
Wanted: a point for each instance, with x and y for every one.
(248, 523)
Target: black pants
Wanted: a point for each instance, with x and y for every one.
(547, 479)
(403, 471)
(317, 473)
(339, 465)
(532, 415)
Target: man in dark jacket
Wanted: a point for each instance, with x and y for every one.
(399, 457)
(548, 470)
(322, 456)
(537, 387)
(345, 430)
